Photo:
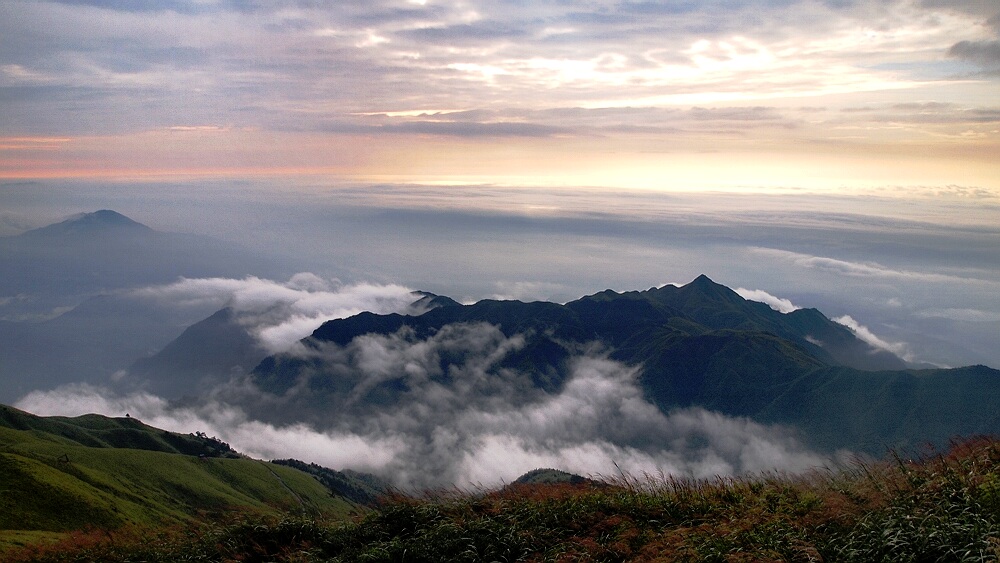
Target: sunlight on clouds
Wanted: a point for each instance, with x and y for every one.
(326, 88)
(33, 143)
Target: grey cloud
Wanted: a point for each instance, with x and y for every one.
(513, 122)
(869, 269)
(446, 126)
(488, 31)
(983, 53)
(275, 65)
(139, 5)
(736, 114)
(928, 112)
(962, 314)
(983, 8)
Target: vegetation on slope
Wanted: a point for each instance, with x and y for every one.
(944, 507)
(59, 475)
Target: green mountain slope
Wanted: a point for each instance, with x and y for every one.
(61, 474)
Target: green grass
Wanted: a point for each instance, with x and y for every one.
(59, 487)
(943, 507)
(61, 475)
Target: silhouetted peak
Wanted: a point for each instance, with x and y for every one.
(705, 286)
(703, 281)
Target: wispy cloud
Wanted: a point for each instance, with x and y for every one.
(900, 349)
(777, 303)
(866, 269)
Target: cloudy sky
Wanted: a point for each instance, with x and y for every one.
(680, 94)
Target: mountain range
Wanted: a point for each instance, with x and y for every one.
(697, 345)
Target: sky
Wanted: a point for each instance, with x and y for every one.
(721, 94)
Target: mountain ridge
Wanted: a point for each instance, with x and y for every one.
(68, 473)
(697, 345)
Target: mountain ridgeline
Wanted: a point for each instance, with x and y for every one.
(697, 345)
(66, 473)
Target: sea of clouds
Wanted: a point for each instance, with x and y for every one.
(432, 411)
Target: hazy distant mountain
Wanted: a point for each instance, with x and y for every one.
(88, 343)
(91, 253)
(205, 354)
(65, 312)
(698, 345)
(102, 223)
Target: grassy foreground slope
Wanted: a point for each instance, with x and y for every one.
(59, 475)
(938, 508)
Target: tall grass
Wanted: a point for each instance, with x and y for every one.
(942, 507)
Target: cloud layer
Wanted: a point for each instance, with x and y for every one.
(295, 85)
(443, 411)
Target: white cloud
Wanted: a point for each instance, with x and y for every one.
(776, 303)
(900, 349)
(281, 313)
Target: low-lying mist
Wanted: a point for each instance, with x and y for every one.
(442, 411)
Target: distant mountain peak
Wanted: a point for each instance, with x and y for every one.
(96, 222)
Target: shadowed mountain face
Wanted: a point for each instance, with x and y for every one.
(89, 343)
(699, 345)
(204, 355)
